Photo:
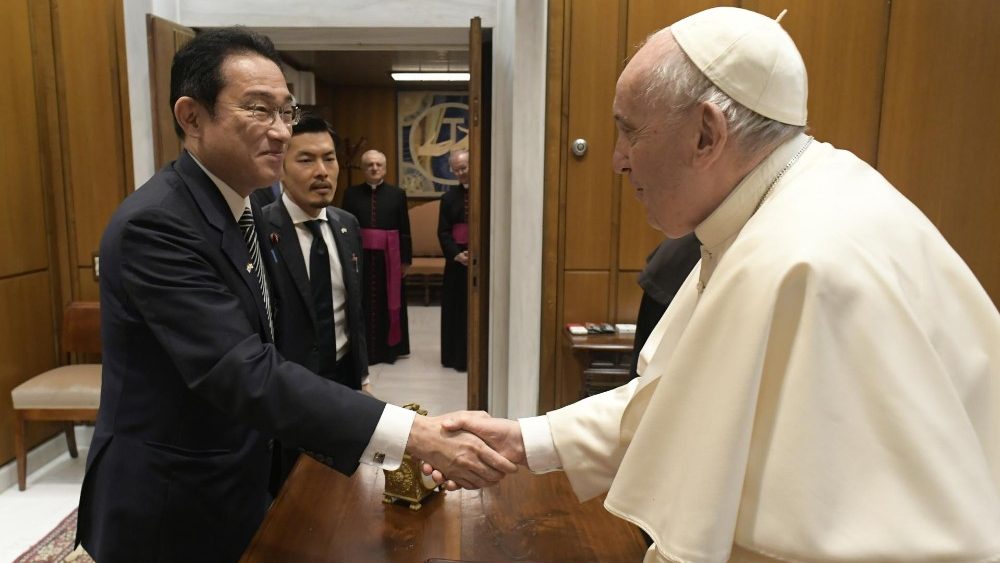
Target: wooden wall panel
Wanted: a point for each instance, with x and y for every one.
(843, 45)
(648, 16)
(940, 132)
(356, 112)
(68, 167)
(23, 244)
(593, 66)
(636, 238)
(628, 298)
(91, 113)
(585, 297)
(27, 346)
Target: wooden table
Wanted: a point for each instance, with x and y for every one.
(594, 363)
(321, 515)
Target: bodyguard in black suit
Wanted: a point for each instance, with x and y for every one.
(319, 321)
(193, 388)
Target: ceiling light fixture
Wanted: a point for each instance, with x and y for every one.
(430, 76)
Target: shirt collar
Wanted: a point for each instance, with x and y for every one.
(728, 219)
(373, 186)
(295, 212)
(235, 201)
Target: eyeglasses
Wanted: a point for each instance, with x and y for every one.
(265, 115)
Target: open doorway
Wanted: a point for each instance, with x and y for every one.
(350, 86)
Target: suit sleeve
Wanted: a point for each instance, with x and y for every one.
(202, 324)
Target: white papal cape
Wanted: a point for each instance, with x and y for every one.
(824, 387)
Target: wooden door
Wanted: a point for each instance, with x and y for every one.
(939, 133)
(478, 380)
(165, 39)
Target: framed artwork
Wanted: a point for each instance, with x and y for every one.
(430, 126)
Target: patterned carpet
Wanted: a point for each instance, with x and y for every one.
(57, 546)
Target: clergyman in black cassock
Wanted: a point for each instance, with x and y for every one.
(453, 233)
(382, 212)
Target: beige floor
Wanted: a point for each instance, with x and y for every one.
(54, 488)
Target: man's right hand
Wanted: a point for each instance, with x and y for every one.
(462, 457)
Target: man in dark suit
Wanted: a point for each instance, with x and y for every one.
(317, 280)
(193, 387)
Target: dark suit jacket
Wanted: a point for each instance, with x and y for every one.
(266, 196)
(192, 386)
(295, 321)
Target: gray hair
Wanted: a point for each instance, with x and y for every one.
(455, 154)
(677, 83)
(374, 152)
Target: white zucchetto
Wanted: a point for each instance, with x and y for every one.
(750, 58)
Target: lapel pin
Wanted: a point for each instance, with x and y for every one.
(249, 267)
(343, 230)
(275, 238)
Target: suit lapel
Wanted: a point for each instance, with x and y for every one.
(345, 250)
(217, 213)
(291, 253)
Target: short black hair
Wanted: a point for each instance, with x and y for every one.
(196, 71)
(312, 123)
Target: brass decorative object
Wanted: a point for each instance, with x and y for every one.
(408, 483)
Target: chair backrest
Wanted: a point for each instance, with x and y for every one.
(423, 229)
(81, 328)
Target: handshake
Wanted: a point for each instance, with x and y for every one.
(467, 449)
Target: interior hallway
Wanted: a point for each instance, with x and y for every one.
(54, 487)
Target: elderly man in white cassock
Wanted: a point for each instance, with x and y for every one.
(826, 384)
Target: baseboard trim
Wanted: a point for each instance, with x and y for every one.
(46, 453)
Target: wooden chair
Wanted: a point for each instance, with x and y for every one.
(427, 269)
(69, 393)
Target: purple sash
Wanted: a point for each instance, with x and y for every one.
(460, 232)
(388, 242)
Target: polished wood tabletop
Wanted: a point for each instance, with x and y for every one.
(322, 515)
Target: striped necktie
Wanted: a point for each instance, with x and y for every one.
(256, 267)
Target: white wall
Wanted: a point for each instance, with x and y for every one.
(517, 166)
(518, 199)
(337, 13)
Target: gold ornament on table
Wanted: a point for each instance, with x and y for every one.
(408, 483)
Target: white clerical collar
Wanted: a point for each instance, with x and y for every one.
(297, 214)
(373, 186)
(235, 201)
(728, 219)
